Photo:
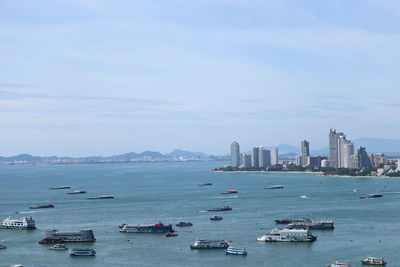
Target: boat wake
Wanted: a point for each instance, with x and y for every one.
(304, 196)
(227, 197)
(201, 211)
(28, 212)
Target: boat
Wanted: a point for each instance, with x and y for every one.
(373, 261)
(58, 246)
(25, 223)
(230, 192)
(184, 224)
(146, 228)
(170, 234)
(225, 208)
(216, 218)
(338, 264)
(274, 187)
(209, 244)
(82, 252)
(46, 206)
(76, 192)
(372, 196)
(55, 237)
(235, 251)
(60, 187)
(288, 235)
(313, 225)
(2, 247)
(206, 184)
(101, 197)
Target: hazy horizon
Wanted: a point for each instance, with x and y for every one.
(108, 77)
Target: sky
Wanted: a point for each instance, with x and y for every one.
(86, 77)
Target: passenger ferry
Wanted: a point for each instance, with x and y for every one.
(146, 228)
(82, 252)
(288, 235)
(54, 237)
(209, 244)
(373, 261)
(313, 225)
(25, 223)
(235, 251)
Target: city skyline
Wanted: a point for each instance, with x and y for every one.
(100, 77)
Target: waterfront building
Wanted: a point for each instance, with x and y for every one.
(264, 157)
(255, 157)
(315, 161)
(353, 162)
(298, 160)
(274, 156)
(348, 152)
(305, 152)
(246, 161)
(324, 163)
(333, 148)
(379, 159)
(363, 159)
(235, 154)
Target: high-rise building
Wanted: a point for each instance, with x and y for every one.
(363, 159)
(324, 163)
(274, 156)
(246, 161)
(333, 148)
(235, 154)
(348, 151)
(298, 160)
(305, 152)
(255, 158)
(264, 157)
(353, 162)
(379, 159)
(315, 161)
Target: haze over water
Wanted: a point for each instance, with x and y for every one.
(169, 192)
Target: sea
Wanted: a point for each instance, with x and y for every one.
(146, 193)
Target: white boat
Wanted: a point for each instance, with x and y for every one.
(338, 264)
(288, 235)
(235, 251)
(209, 244)
(24, 223)
(82, 252)
(373, 261)
(58, 247)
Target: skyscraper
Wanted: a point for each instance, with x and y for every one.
(264, 157)
(274, 156)
(255, 157)
(333, 148)
(246, 161)
(348, 152)
(305, 152)
(235, 154)
(363, 159)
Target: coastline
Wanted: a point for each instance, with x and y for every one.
(308, 172)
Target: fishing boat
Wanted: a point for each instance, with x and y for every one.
(206, 184)
(60, 187)
(76, 192)
(58, 247)
(373, 261)
(225, 208)
(235, 251)
(101, 197)
(46, 206)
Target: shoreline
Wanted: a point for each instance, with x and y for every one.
(308, 172)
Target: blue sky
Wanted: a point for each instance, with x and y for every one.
(105, 77)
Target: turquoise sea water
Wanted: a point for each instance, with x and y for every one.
(150, 192)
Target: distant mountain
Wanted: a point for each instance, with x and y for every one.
(21, 157)
(177, 153)
(286, 149)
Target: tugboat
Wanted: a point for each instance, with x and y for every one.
(373, 261)
(216, 218)
(235, 251)
(170, 234)
(82, 252)
(225, 208)
(338, 264)
(58, 247)
(184, 224)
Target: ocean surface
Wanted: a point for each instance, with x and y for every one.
(169, 192)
